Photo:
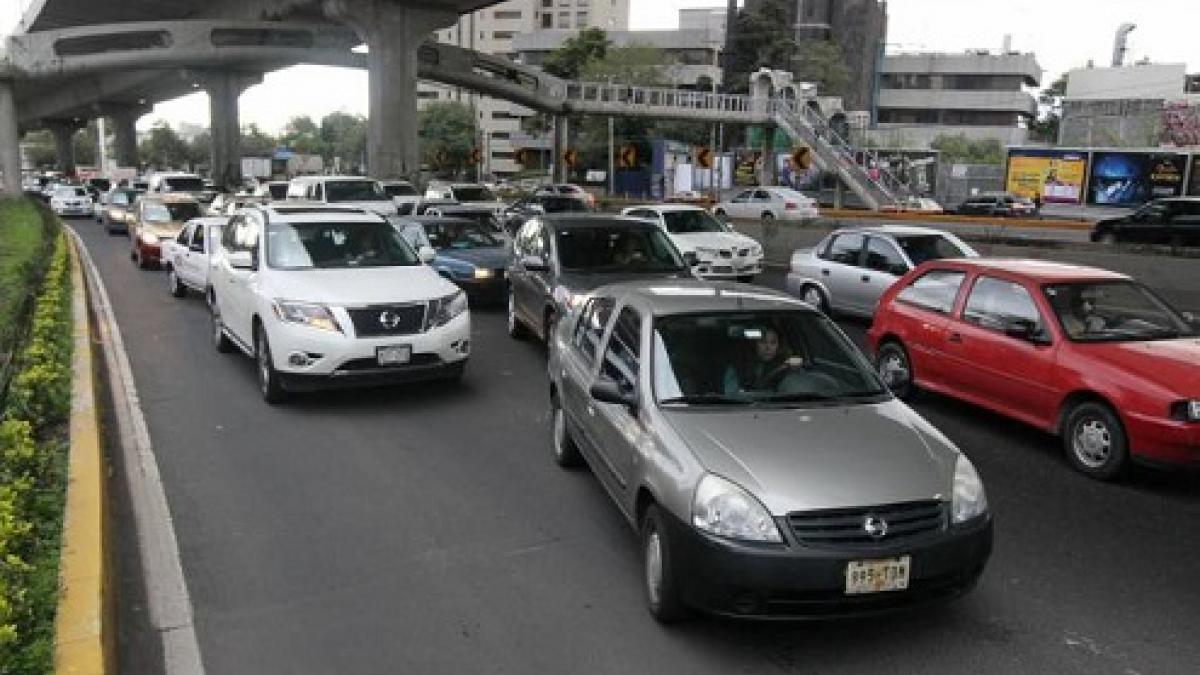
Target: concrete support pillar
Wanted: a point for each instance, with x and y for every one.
(767, 174)
(562, 136)
(64, 144)
(224, 87)
(10, 138)
(393, 33)
(125, 136)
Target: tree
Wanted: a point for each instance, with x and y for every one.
(345, 138)
(1046, 127)
(822, 63)
(763, 37)
(39, 145)
(958, 149)
(163, 148)
(303, 135)
(256, 142)
(200, 149)
(641, 65)
(568, 60)
(447, 132)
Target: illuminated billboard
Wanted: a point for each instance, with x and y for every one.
(1133, 178)
(1054, 176)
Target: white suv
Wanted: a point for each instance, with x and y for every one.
(346, 191)
(720, 252)
(327, 297)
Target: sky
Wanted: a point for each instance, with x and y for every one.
(1063, 33)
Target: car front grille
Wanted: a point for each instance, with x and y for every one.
(742, 253)
(386, 320)
(848, 527)
(726, 253)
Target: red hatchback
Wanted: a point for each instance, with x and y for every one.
(1088, 354)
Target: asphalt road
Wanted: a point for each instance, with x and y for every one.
(427, 530)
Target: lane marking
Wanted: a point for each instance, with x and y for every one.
(168, 602)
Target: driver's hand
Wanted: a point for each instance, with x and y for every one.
(794, 362)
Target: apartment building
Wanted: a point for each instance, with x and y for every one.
(492, 31)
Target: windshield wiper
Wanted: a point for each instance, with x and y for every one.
(706, 399)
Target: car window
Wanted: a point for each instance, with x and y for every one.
(198, 238)
(525, 238)
(883, 257)
(925, 247)
(324, 245)
(617, 248)
(119, 199)
(845, 249)
(473, 193)
(935, 290)
(622, 354)
(743, 197)
(762, 196)
(691, 222)
(996, 304)
(185, 236)
(590, 329)
(1114, 311)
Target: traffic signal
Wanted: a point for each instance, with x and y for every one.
(629, 157)
(704, 157)
(476, 156)
(570, 157)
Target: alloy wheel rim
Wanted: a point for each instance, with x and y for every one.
(654, 567)
(813, 297)
(1092, 443)
(893, 370)
(559, 431)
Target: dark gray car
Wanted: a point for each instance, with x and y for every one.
(556, 260)
(766, 467)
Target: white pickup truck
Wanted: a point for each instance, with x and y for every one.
(186, 257)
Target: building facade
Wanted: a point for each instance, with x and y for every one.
(492, 31)
(1140, 105)
(978, 94)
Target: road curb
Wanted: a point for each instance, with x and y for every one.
(83, 624)
(1014, 223)
(168, 603)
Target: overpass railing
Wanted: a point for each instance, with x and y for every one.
(736, 106)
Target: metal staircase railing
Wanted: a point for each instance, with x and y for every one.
(661, 97)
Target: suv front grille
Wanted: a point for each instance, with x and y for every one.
(385, 320)
(848, 527)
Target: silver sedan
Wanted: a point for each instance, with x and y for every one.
(766, 468)
(850, 269)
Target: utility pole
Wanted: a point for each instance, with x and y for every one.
(612, 176)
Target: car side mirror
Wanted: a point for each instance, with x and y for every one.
(426, 254)
(242, 260)
(1023, 329)
(1191, 319)
(898, 270)
(606, 390)
(691, 258)
(198, 248)
(533, 263)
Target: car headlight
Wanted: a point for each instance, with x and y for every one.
(306, 314)
(1186, 411)
(756, 250)
(722, 508)
(706, 252)
(564, 297)
(970, 501)
(443, 310)
(482, 273)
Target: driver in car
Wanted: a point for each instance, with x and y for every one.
(770, 365)
(1079, 316)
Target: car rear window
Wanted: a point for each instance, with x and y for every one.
(935, 290)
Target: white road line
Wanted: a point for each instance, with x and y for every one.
(170, 607)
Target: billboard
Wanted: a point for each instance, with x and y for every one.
(1133, 178)
(1194, 184)
(1054, 176)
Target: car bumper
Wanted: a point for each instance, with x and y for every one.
(791, 581)
(1163, 441)
(728, 269)
(74, 211)
(151, 253)
(483, 290)
(339, 360)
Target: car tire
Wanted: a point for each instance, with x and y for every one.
(516, 330)
(895, 369)
(814, 296)
(221, 341)
(1095, 441)
(664, 598)
(566, 452)
(1108, 239)
(720, 213)
(768, 217)
(264, 369)
(549, 324)
(174, 284)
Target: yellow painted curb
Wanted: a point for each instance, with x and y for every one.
(1015, 223)
(83, 626)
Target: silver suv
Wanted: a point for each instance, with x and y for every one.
(768, 470)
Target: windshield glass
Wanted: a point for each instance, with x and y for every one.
(278, 190)
(692, 222)
(182, 185)
(456, 234)
(299, 246)
(923, 247)
(70, 192)
(353, 191)
(617, 249)
(740, 358)
(101, 183)
(1113, 311)
(399, 190)
(560, 204)
(157, 212)
(473, 193)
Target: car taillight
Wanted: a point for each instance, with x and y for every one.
(791, 206)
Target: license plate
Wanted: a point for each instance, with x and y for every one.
(391, 356)
(877, 576)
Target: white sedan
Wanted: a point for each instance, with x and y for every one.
(767, 204)
(71, 200)
(720, 252)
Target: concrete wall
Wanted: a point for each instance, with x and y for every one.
(968, 63)
(948, 99)
(1149, 81)
(1112, 123)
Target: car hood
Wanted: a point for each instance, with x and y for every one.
(342, 287)
(695, 240)
(163, 230)
(818, 458)
(1173, 365)
(494, 257)
(583, 282)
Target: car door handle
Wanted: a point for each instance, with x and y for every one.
(955, 338)
(825, 272)
(866, 279)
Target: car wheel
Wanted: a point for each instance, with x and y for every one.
(768, 217)
(566, 452)
(720, 213)
(549, 323)
(174, 284)
(895, 370)
(1108, 238)
(815, 297)
(516, 330)
(663, 596)
(220, 340)
(268, 377)
(1095, 441)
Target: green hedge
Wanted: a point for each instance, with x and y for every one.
(25, 243)
(33, 451)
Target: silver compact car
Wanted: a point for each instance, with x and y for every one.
(850, 269)
(766, 467)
